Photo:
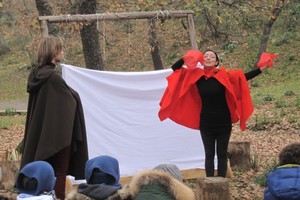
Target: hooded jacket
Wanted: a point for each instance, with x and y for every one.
(54, 120)
(283, 183)
(182, 103)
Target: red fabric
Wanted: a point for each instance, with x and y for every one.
(266, 59)
(192, 57)
(181, 101)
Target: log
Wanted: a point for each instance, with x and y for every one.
(212, 188)
(239, 155)
(165, 14)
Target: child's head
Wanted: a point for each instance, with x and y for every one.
(35, 178)
(103, 169)
(172, 169)
(290, 154)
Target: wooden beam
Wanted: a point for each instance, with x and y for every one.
(117, 16)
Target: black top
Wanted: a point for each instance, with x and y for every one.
(215, 114)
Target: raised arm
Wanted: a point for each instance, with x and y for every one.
(178, 64)
(253, 73)
(266, 61)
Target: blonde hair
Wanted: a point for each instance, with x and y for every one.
(47, 49)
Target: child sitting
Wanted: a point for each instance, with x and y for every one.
(283, 183)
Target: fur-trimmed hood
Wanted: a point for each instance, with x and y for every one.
(174, 187)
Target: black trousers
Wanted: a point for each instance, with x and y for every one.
(216, 141)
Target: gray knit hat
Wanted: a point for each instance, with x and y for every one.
(171, 169)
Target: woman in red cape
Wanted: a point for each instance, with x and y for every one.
(209, 99)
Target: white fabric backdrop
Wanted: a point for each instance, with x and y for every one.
(121, 115)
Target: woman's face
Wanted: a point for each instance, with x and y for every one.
(210, 60)
(59, 56)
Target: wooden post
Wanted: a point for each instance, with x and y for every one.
(192, 32)
(212, 188)
(239, 155)
(44, 28)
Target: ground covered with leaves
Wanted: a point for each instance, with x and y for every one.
(266, 140)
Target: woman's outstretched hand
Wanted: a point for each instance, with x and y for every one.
(192, 57)
(266, 60)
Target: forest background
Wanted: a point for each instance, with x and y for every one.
(237, 30)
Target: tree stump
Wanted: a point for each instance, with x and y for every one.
(212, 188)
(8, 174)
(239, 155)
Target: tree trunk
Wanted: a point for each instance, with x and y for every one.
(44, 9)
(154, 46)
(1, 9)
(239, 155)
(90, 38)
(4, 48)
(212, 188)
(267, 29)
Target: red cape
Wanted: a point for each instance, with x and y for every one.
(181, 101)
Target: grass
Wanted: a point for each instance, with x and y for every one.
(8, 121)
(13, 76)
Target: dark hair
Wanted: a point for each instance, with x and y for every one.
(217, 56)
(290, 154)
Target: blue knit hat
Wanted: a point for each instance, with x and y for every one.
(102, 170)
(40, 178)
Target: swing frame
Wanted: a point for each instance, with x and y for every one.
(44, 20)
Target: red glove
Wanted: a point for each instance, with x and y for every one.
(266, 59)
(192, 57)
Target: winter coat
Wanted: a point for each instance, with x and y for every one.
(283, 183)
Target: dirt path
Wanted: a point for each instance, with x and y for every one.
(14, 104)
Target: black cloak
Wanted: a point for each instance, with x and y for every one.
(55, 120)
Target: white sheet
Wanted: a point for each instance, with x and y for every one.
(121, 115)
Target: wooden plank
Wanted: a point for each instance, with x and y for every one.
(186, 174)
(117, 16)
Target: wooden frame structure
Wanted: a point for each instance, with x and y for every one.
(44, 20)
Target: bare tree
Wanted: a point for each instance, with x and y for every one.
(4, 48)
(90, 37)
(44, 9)
(268, 27)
